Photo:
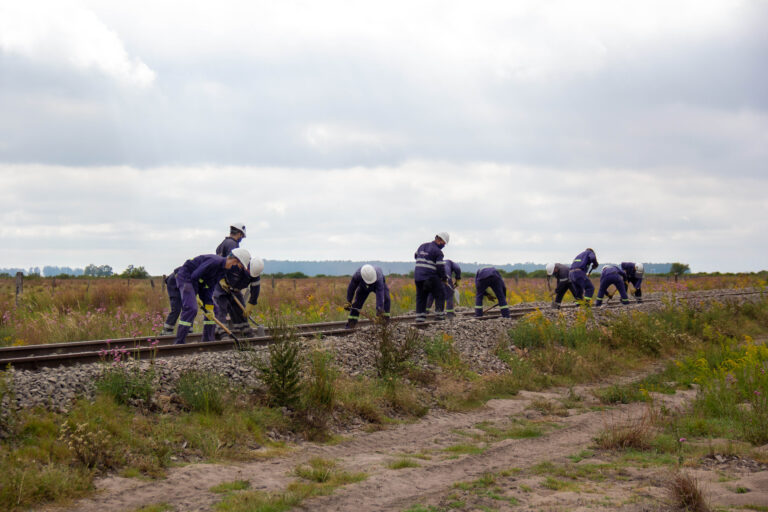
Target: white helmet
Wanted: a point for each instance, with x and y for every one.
(256, 266)
(242, 255)
(238, 226)
(368, 274)
(639, 268)
(550, 269)
(444, 236)
(607, 266)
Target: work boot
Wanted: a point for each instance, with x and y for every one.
(440, 317)
(351, 324)
(166, 332)
(555, 305)
(450, 315)
(421, 319)
(246, 332)
(639, 300)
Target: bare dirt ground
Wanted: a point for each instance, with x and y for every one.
(451, 448)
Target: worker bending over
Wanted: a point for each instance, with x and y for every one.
(489, 277)
(560, 272)
(583, 264)
(430, 275)
(612, 275)
(197, 278)
(634, 273)
(453, 272)
(365, 280)
(228, 295)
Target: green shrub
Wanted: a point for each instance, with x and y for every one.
(282, 372)
(393, 354)
(126, 381)
(202, 391)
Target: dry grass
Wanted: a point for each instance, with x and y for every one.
(636, 434)
(685, 494)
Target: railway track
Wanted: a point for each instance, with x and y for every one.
(146, 347)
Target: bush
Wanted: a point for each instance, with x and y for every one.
(318, 396)
(282, 372)
(202, 391)
(392, 354)
(127, 381)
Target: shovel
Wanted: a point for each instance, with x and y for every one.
(211, 316)
(259, 328)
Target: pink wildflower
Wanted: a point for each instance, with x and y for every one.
(682, 440)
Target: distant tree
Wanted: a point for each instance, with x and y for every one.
(679, 268)
(132, 272)
(538, 273)
(100, 271)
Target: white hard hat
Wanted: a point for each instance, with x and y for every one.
(550, 269)
(238, 226)
(243, 255)
(256, 266)
(444, 236)
(607, 266)
(368, 273)
(639, 268)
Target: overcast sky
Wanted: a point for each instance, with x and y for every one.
(136, 132)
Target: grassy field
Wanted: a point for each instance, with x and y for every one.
(57, 310)
(53, 457)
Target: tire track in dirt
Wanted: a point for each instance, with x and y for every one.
(187, 488)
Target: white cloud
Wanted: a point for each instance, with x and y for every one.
(66, 32)
(157, 217)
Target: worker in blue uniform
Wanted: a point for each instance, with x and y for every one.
(453, 271)
(197, 278)
(489, 277)
(365, 280)
(430, 275)
(223, 300)
(174, 297)
(634, 273)
(583, 264)
(560, 272)
(612, 275)
(230, 291)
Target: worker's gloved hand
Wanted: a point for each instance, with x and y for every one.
(249, 309)
(348, 306)
(225, 286)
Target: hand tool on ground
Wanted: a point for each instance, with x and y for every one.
(259, 328)
(490, 308)
(211, 316)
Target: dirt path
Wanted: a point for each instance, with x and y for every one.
(432, 438)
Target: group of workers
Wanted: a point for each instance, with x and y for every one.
(215, 282)
(575, 277)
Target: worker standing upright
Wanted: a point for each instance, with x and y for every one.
(429, 275)
(223, 303)
(365, 280)
(489, 277)
(634, 273)
(453, 272)
(612, 275)
(584, 263)
(560, 272)
(197, 278)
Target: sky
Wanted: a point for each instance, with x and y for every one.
(135, 133)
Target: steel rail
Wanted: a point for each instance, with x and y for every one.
(77, 352)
